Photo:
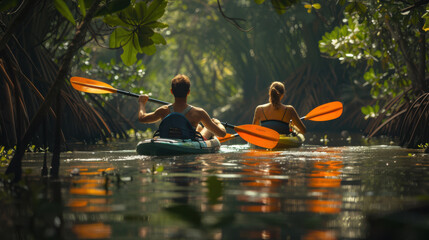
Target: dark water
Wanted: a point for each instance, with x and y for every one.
(313, 192)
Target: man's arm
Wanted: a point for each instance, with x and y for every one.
(145, 117)
(213, 125)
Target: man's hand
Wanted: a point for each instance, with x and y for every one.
(143, 98)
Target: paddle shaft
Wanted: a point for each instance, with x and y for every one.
(119, 91)
(136, 95)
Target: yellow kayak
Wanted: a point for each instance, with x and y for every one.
(287, 141)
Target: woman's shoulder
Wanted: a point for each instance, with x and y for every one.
(264, 105)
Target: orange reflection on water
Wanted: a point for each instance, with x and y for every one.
(319, 235)
(257, 171)
(92, 231)
(90, 205)
(324, 206)
(324, 179)
(90, 191)
(260, 234)
(324, 183)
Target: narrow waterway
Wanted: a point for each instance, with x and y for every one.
(312, 192)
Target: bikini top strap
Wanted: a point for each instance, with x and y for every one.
(264, 114)
(284, 113)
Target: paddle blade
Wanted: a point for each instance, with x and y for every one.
(258, 135)
(91, 86)
(325, 112)
(227, 137)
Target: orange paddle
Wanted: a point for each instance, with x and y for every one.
(97, 87)
(227, 137)
(257, 135)
(254, 134)
(325, 112)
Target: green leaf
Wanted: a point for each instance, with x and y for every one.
(156, 25)
(112, 7)
(155, 10)
(129, 56)
(7, 4)
(357, 7)
(149, 50)
(62, 7)
(114, 21)
(426, 26)
(82, 7)
(365, 110)
(259, 1)
(158, 39)
(141, 10)
(119, 37)
(376, 108)
(144, 36)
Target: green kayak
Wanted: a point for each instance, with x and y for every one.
(166, 146)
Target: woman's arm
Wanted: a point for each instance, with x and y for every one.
(296, 121)
(256, 116)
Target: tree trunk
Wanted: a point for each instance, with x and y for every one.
(77, 42)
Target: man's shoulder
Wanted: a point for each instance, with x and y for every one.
(162, 110)
(198, 110)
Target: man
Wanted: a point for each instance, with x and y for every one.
(180, 88)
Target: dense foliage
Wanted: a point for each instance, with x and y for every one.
(388, 40)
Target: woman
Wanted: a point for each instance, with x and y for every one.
(276, 115)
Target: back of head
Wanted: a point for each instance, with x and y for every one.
(277, 89)
(180, 85)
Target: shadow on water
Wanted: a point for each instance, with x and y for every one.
(317, 191)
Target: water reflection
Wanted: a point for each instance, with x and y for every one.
(307, 193)
(324, 182)
(92, 231)
(258, 169)
(89, 193)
